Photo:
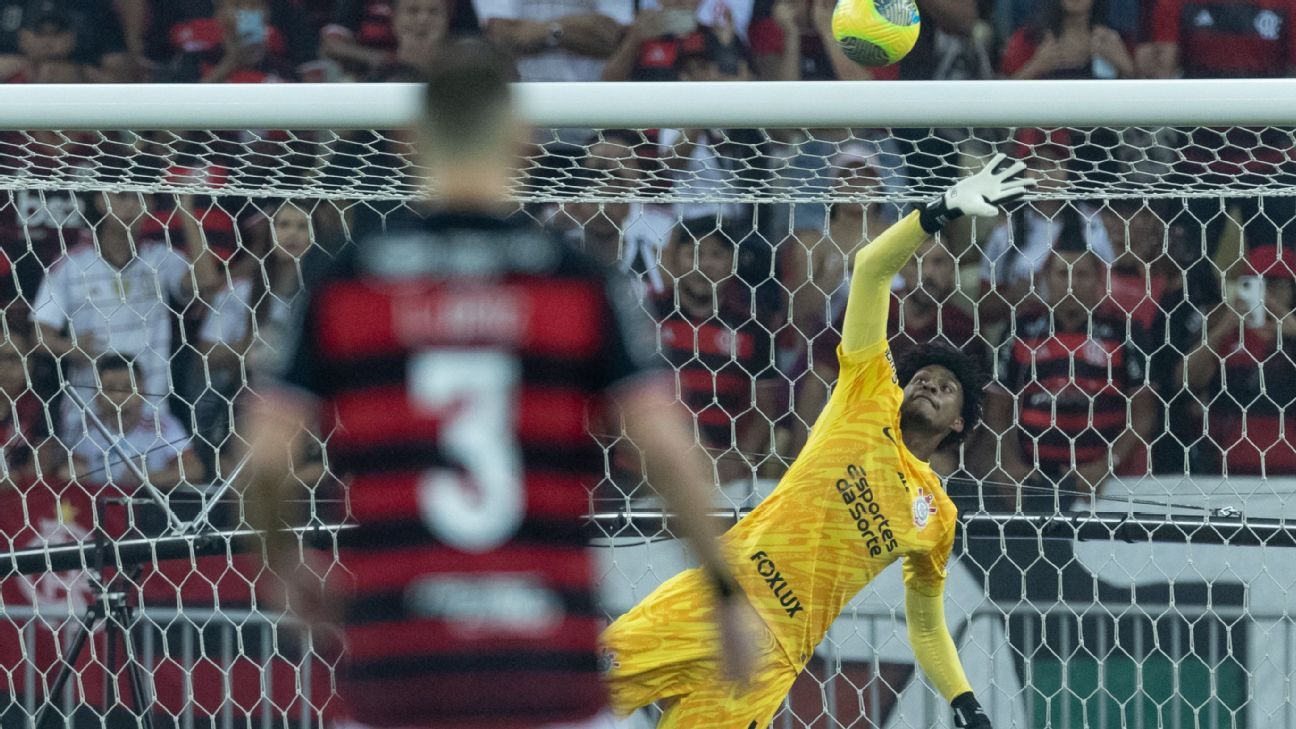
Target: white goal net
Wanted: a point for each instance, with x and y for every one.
(1136, 313)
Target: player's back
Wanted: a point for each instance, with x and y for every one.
(459, 357)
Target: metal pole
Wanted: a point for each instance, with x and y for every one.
(209, 502)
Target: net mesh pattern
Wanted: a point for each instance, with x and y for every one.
(1147, 366)
(1133, 162)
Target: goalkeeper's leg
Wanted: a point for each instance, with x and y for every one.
(665, 650)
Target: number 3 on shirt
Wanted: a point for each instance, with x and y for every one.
(479, 505)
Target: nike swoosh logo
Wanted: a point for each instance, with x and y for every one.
(886, 430)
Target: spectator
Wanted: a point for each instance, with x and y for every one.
(134, 17)
(115, 296)
(364, 35)
(1020, 245)
(1245, 373)
(420, 27)
(37, 225)
(296, 256)
(1068, 40)
(246, 331)
(63, 41)
(1066, 375)
(1229, 39)
(705, 161)
(813, 264)
(360, 37)
(666, 31)
(1127, 17)
(654, 43)
(629, 235)
(47, 45)
(252, 313)
(26, 447)
(1141, 270)
(795, 42)
(134, 431)
(1189, 288)
(721, 356)
(929, 306)
(1226, 39)
(557, 40)
(216, 375)
(236, 41)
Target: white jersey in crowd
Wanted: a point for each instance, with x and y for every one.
(155, 442)
(557, 64)
(1002, 267)
(127, 311)
(230, 322)
(644, 233)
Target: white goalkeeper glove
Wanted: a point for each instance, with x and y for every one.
(980, 194)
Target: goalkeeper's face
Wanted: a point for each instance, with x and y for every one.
(933, 401)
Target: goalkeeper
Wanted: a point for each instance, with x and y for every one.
(859, 497)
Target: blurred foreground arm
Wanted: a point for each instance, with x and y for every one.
(678, 472)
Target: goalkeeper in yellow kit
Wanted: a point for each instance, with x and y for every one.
(859, 496)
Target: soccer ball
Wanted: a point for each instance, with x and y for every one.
(876, 32)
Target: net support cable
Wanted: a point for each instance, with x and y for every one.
(1082, 526)
(156, 496)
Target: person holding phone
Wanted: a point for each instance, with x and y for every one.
(556, 41)
(654, 43)
(239, 43)
(1249, 345)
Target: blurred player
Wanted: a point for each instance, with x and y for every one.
(455, 361)
(860, 496)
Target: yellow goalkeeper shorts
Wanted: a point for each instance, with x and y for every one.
(665, 650)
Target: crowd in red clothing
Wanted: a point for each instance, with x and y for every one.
(371, 40)
(747, 296)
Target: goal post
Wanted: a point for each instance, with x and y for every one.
(631, 105)
(1160, 598)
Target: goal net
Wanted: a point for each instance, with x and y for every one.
(1124, 503)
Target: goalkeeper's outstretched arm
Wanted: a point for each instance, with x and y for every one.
(936, 654)
(865, 326)
(879, 261)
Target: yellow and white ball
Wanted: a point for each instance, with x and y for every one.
(876, 32)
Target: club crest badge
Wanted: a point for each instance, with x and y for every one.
(923, 508)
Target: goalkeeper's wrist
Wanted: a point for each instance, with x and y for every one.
(936, 215)
(968, 713)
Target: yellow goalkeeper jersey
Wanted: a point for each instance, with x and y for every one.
(854, 501)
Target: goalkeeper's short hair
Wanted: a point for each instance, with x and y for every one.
(966, 370)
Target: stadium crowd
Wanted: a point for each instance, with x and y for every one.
(1112, 327)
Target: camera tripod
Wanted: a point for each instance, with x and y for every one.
(109, 602)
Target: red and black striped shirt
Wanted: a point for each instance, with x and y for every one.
(717, 360)
(457, 361)
(1229, 38)
(1071, 387)
(1232, 39)
(1251, 410)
